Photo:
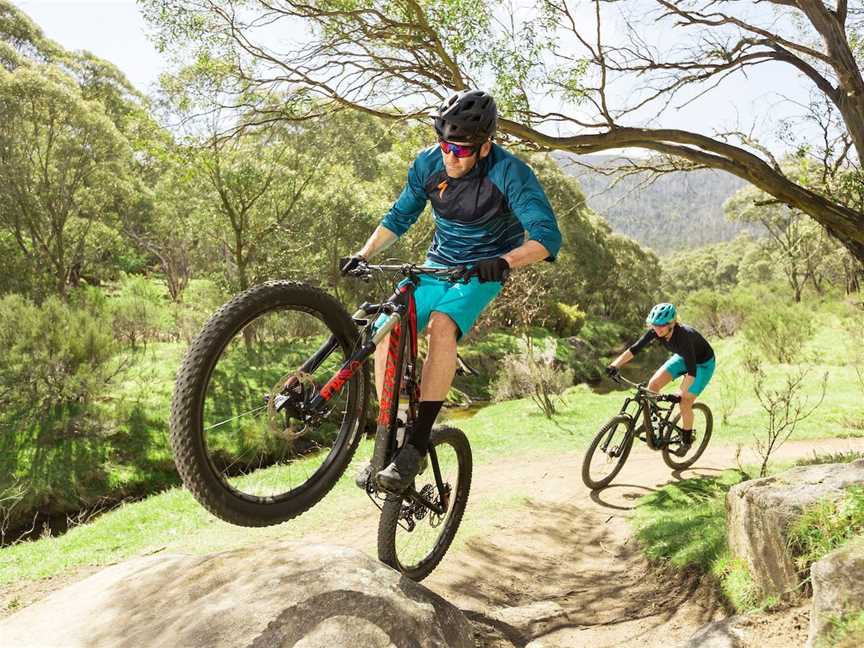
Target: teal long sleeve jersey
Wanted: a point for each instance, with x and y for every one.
(484, 214)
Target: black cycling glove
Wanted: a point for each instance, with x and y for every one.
(613, 372)
(496, 269)
(346, 265)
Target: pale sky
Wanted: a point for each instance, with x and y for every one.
(115, 30)
(111, 29)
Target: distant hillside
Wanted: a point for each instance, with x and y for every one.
(678, 211)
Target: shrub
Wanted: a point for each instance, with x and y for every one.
(140, 312)
(718, 314)
(566, 320)
(201, 299)
(56, 367)
(779, 330)
(532, 371)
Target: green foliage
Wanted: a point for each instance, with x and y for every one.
(825, 526)
(603, 335)
(779, 330)
(200, 300)
(717, 314)
(55, 356)
(65, 169)
(795, 244)
(846, 631)
(533, 372)
(567, 320)
(139, 313)
(57, 365)
(716, 268)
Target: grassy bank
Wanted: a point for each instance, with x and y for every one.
(683, 525)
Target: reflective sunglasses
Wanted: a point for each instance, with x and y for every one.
(459, 150)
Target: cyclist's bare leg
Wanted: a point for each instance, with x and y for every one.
(686, 407)
(381, 364)
(440, 365)
(659, 380)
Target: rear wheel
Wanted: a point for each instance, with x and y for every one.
(245, 441)
(607, 453)
(703, 424)
(411, 537)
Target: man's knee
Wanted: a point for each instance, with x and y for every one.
(442, 328)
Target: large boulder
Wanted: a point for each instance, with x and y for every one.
(283, 595)
(838, 590)
(759, 513)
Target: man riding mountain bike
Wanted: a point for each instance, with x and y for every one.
(693, 358)
(484, 200)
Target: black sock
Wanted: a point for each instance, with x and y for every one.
(426, 414)
(687, 436)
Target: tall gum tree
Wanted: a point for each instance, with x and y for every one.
(73, 134)
(398, 59)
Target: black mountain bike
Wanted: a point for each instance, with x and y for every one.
(651, 421)
(269, 403)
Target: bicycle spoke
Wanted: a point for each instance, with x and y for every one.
(259, 451)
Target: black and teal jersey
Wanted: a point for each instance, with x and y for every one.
(686, 341)
(484, 214)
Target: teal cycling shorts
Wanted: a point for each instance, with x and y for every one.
(462, 302)
(676, 366)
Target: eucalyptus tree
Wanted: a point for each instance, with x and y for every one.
(797, 246)
(554, 70)
(75, 137)
(64, 169)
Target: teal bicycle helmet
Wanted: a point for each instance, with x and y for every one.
(661, 314)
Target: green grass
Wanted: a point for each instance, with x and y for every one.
(846, 631)
(684, 525)
(174, 518)
(825, 526)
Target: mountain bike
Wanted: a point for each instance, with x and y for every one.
(651, 421)
(269, 402)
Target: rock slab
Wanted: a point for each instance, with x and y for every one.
(759, 513)
(838, 589)
(280, 596)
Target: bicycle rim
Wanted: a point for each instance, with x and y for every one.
(411, 537)
(607, 453)
(703, 423)
(261, 453)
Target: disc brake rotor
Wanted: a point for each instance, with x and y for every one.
(287, 402)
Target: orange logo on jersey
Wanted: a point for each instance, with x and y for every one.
(442, 187)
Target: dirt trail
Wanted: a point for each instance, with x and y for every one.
(566, 572)
(562, 570)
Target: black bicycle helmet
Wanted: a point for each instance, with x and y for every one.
(468, 116)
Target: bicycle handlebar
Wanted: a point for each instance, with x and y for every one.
(456, 274)
(669, 398)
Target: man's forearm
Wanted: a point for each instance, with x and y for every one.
(527, 253)
(381, 239)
